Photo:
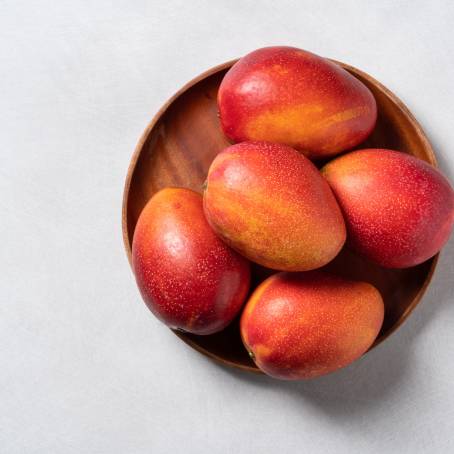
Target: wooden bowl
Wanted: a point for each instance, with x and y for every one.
(177, 148)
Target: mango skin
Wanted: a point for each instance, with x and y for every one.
(304, 325)
(291, 96)
(271, 204)
(188, 278)
(399, 210)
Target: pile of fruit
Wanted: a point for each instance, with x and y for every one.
(264, 201)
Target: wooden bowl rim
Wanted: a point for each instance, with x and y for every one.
(210, 72)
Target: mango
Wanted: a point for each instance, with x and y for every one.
(291, 96)
(304, 325)
(187, 276)
(399, 210)
(270, 203)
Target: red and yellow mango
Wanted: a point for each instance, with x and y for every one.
(187, 276)
(271, 204)
(291, 96)
(399, 210)
(303, 325)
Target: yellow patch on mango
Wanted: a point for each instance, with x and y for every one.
(290, 124)
(283, 125)
(339, 117)
(279, 69)
(261, 351)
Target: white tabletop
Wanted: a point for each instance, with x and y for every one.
(84, 366)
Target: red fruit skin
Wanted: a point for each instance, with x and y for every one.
(304, 325)
(399, 210)
(291, 96)
(188, 277)
(271, 204)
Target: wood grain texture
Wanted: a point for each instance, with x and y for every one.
(177, 148)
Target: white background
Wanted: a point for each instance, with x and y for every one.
(84, 367)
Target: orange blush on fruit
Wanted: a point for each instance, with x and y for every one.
(304, 325)
(291, 96)
(270, 203)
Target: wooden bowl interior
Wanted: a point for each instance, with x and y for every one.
(177, 149)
